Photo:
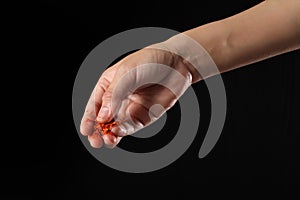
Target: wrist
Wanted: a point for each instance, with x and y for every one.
(190, 55)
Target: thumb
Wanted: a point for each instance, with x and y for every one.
(118, 89)
(104, 114)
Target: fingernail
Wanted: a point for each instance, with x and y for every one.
(103, 114)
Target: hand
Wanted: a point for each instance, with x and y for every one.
(128, 90)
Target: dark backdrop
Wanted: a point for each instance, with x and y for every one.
(44, 44)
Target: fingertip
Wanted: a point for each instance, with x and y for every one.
(119, 130)
(110, 140)
(95, 140)
(86, 127)
(111, 146)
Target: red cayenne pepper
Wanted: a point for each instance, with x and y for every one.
(105, 128)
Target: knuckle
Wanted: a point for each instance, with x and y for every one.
(103, 83)
(107, 95)
(89, 112)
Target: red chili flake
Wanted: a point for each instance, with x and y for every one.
(105, 128)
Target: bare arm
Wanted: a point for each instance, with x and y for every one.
(268, 29)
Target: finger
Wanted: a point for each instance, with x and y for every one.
(132, 123)
(95, 140)
(116, 92)
(111, 140)
(91, 110)
(105, 113)
(127, 128)
(135, 116)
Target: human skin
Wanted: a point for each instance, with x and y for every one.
(265, 30)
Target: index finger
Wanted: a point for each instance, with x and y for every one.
(91, 111)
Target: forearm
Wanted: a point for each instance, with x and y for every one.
(268, 29)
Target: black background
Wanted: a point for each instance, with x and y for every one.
(44, 44)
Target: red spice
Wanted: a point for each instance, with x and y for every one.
(105, 128)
